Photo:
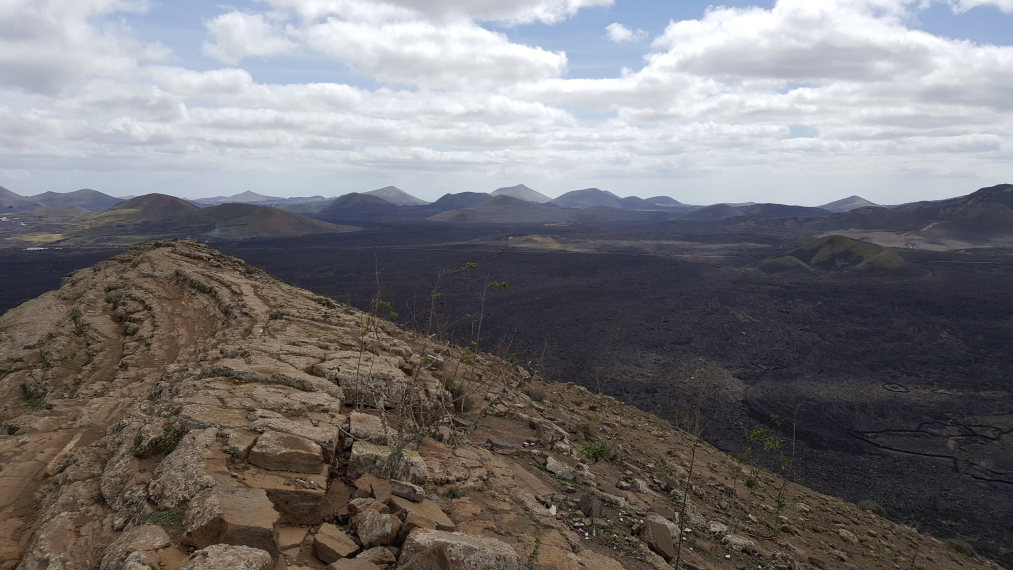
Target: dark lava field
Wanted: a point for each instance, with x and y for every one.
(893, 386)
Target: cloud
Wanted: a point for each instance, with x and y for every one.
(454, 56)
(49, 45)
(433, 44)
(503, 11)
(832, 88)
(238, 35)
(619, 33)
(965, 5)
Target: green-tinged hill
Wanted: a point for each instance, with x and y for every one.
(836, 253)
(979, 217)
(154, 207)
(507, 210)
(502, 210)
(159, 215)
(248, 220)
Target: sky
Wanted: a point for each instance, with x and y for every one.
(791, 101)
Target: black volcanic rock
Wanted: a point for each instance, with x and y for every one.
(719, 212)
(356, 207)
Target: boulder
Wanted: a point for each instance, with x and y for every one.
(740, 543)
(326, 436)
(407, 490)
(376, 459)
(229, 557)
(376, 529)
(440, 550)
(365, 377)
(184, 473)
(425, 509)
(591, 506)
(331, 544)
(286, 452)
(379, 489)
(412, 522)
(242, 517)
(352, 564)
(660, 535)
(559, 469)
(378, 555)
(297, 498)
(366, 427)
(136, 546)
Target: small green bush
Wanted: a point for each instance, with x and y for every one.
(596, 451)
(169, 519)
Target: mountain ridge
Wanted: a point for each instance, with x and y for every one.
(522, 192)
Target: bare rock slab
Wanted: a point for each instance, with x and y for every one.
(229, 557)
(331, 544)
(286, 452)
(376, 460)
(456, 551)
(353, 564)
(366, 427)
(242, 517)
(407, 490)
(425, 509)
(326, 436)
(297, 498)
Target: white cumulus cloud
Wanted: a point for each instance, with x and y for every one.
(237, 35)
(965, 5)
(619, 33)
(49, 45)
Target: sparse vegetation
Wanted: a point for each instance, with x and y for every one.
(169, 519)
(161, 445)
(873, 507)
(596, 451)
(961, 546)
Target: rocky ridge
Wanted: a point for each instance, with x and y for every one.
(177, 408)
